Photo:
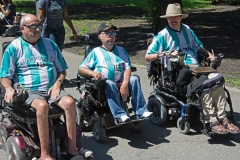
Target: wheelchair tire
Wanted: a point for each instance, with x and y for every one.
(12, 150)
(159, 111)
(138, 126)
(99, 133)
(185, 128)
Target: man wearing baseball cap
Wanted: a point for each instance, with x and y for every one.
(112, 62)
(179, 37)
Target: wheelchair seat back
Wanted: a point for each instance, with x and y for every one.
(91, 41)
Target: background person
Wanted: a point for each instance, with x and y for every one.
(54, 13)
(179, 37)
(112, 62)
(38, 65)
(8, 9)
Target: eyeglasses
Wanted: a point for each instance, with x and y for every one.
(110, 34)
(34, 27)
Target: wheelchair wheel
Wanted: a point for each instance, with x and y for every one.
(138, 126)
(183, 127)
(99, 133)
(159, 111)
(12, 150)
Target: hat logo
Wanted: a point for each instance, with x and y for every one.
(108, 24)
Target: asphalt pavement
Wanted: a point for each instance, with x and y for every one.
(154, 142)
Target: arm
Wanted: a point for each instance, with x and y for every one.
(69, 22)
(5, 12)
(210, 55)
(153, 57)
(40, 15)
(56, 88)
(7, 84)
(88, 72)
(124, 87)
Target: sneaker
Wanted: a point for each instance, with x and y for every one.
(124, 118)
(86, 153)
(146, 114)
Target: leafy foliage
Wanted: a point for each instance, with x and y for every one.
(153, 11)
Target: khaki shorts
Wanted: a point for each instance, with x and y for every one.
(44, 96)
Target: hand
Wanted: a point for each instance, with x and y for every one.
(54, 91)
(211, 57)
(74, 34)
(98, 75)
(174, 53)
(124, 90)
(9, 94)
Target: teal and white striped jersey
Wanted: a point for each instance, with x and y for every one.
(34, 66)
(185, 39)
(110, 63)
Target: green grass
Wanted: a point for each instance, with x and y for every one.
(233, 81)
(187, 4)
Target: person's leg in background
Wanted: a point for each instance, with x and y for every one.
(60, 37)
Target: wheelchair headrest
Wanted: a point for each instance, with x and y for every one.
(92, 39)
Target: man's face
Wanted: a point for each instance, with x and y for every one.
(175, 22)
(108, 36)
(32, 29)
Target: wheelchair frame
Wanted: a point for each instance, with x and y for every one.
(164, 101)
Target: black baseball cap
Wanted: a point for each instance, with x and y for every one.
(105, 26)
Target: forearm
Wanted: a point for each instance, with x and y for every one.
(62, 75)
(126, 76)
(69, 23)
(203, 50)
(6, 83)
(153, 57)
(87, 72)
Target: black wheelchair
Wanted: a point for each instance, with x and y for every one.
(19, 133)
(93, 104)
(169, 101)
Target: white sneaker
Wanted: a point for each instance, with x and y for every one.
(124, 118)
(146, 114)
(86, 153)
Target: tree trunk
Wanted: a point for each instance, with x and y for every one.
(163, 7)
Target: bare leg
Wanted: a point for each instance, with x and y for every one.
(67, 103)
(42, 109)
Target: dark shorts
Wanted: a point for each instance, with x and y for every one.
(44, 96)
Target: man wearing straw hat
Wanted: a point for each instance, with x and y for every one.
(178, 37)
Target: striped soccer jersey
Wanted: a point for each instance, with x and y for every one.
(110, 63)
(185, 39)
(34, 66)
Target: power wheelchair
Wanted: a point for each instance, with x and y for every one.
(172, 102)
(94, 109)
(19, 133)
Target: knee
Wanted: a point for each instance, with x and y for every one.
(42, 109)
(69, 103)
(135, 78)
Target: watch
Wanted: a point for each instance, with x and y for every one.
(61, 81)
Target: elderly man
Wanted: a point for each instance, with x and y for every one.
(179, 37)
(38, 65)
(112, 62)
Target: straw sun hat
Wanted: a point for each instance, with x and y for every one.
(174, 10)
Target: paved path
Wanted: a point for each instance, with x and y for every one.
(155, 142)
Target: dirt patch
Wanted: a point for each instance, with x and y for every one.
(217, 29)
